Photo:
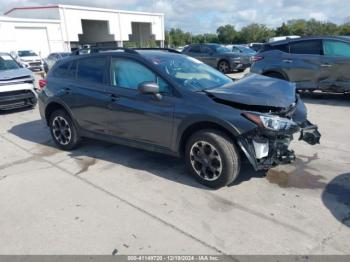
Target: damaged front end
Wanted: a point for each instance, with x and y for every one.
(278, 113)
(268, 145)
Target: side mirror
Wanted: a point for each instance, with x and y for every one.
(150, 88)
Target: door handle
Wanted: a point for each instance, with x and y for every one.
(114, 97)
(287, 61)
(326, 65)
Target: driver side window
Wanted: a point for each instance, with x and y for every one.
(127, 73)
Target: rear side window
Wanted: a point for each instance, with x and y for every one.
(92, 70)
(282, 48)
(310, 47)
(336, 48)
(62, 70)
(195, 49)
(206, 49)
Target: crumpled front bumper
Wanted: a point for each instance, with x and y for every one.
(266, 149)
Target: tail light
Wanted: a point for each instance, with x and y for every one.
(256, 58)
(42, 83)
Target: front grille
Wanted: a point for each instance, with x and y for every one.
(15, 99)
(15, 93)
(35, 64)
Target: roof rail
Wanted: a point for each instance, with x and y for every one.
(170, 50)
(98, 49)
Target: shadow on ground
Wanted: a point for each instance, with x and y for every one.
(331, 99)
(336, 197)
(91, 151)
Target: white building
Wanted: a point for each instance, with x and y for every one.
(57, 28)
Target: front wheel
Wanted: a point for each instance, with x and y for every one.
(63, 130)
(212, 158)
(224, 67)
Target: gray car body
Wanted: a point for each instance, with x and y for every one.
(163, 125)
(209, 56)
(307, 71)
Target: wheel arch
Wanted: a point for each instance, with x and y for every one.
(276, 71)
(203, 125)
(53, 106)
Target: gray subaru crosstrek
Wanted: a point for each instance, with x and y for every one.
(166, 102)
(312, 63)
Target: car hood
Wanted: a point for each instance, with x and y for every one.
(30, 58)
(15, 73)
(257, 90)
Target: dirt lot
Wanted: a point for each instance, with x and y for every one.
(105, 198)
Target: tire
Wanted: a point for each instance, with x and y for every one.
(224, 67)
(275, 75)
(63, 131)
(240, 70)
(223, 150)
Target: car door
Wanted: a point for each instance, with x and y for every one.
(303, 63)
(335, 66)
(194, 51)
(207, 56)
(140, 117)
(87, 95)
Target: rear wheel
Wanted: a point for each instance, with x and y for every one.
(212, 158)
(224, 67)
(63, 130)
(275, 75)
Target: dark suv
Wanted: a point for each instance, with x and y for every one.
(170, 103)
(313, 63)
(219, 57)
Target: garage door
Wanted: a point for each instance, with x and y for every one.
(32, 39)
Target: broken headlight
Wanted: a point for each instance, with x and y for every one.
(270, 122)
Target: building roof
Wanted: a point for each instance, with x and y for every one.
(86, 8)
(28, 20)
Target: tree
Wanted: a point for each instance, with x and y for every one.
(256, 33)
(344, 29)
(283, 30)
(226, 34)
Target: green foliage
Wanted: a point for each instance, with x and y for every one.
(227, 34)
(255, 33)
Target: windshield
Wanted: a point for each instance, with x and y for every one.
(190, 73)
(26, 53)
(7, 63)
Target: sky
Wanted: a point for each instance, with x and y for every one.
(205, 16)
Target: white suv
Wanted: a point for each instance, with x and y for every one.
(29, 59)
(16, 85)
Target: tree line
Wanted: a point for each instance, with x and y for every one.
(254, 32)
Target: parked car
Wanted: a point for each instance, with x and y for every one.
(280, 38)
(312, 63)
(218, 57)
(244, 51)
(255, 46)
(29, 59)
(174, 104)
(54, 57)
(16, 85)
